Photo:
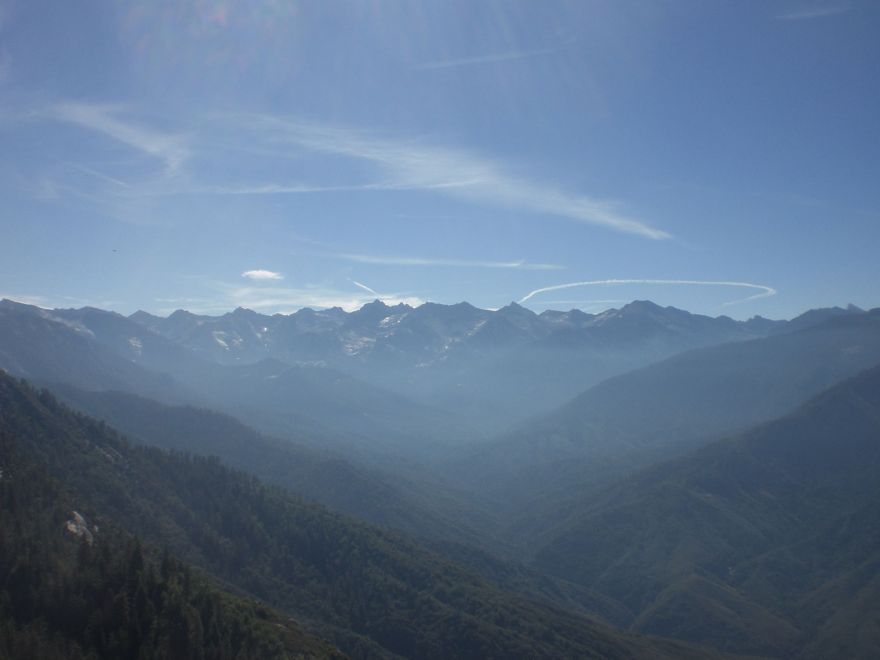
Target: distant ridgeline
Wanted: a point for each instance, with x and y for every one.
(499, 484)
(378, 372)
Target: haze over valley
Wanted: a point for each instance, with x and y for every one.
(439, 330)
(509, 495)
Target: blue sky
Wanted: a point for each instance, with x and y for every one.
(717, 156)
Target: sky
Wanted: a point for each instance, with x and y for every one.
(719, 156)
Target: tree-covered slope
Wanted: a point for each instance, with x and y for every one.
(765, 543)
(444, 520)
(70, 588)
(418, 508)
(375, 594)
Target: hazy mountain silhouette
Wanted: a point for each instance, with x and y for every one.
(662, 410)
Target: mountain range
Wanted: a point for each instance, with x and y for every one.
(446, 481)
(510, 362)
(661, 411)
(492, 368)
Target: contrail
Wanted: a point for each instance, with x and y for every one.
(365, 288)
(765, 291)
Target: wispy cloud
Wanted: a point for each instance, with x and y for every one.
(54, 302)
(102, 176)
(423, 261)
(486, 58)
(399, 164)
(765, 291)
(814, 11)
(262, 275)
(28, 299)
(183, 301)
(304, 188)
(274, 189)
(287, 299)
(364, 287)
(412, 165)
(105, 119)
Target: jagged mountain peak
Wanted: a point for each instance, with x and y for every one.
(819, 315)
(643, 306)
(374, 312)
(14, 305)
(513, 308)
(460, 310)
(244, 311)
(650, 309)
(144, 318)
(181, 314)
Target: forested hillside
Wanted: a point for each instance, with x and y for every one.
(420, 508)
(71, 588)
(765, 543)
(370, 592)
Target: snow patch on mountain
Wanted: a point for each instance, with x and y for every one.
(219, 337)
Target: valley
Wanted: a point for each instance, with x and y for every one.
(690, 504)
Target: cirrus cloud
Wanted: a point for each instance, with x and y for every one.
(410, 165)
